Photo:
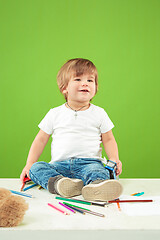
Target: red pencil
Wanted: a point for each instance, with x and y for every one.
(128, 201)
(58, 209)
(22, 186)
(25, 180)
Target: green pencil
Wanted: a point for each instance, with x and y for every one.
(76, 206)
(81, 201)
(85, 210)
(73, 200)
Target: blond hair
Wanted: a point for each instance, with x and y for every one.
(75, 67)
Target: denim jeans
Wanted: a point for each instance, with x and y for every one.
(86, 169)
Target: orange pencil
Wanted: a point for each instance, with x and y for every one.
(118, 206)
(134, 194)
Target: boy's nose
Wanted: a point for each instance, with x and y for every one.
(85, 83)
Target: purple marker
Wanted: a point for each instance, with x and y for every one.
(67, 207)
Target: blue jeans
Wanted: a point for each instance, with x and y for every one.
(86, 169)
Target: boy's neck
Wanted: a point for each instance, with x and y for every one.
(77, 105)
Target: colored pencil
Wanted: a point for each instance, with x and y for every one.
(129, 201)
(118, 205)
(22, 194)
(133, 194)
(26, 179)
(58, 209)
(67, 207)
(81, 201)
(86, 210)
(93, 213)
(139, 194)
(75, 206)
(31, 186)
(76, 209)
(22, 186)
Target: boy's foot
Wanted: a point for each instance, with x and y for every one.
(66, 187)
(103, 190)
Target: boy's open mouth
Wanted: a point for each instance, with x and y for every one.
(84, 90)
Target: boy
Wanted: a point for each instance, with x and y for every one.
(78, 128)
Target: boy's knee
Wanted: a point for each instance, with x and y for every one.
(95, 173)
(37, 166)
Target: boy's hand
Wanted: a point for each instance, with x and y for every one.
(119, 167)
(25, 172)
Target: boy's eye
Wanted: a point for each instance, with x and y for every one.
(90, 80)
(78, 79)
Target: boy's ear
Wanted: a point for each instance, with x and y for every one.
(64, 91)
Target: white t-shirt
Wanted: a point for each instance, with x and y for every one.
(76, 136)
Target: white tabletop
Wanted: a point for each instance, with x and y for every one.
(42, 217)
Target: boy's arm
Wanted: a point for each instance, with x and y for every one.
(111, 149)
(36, 150)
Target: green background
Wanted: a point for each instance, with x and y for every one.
(121, 37)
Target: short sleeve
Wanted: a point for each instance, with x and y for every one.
(106, 124)
(47, 123)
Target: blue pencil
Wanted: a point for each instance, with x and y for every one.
(33, 185)
(139, 194)
(76, 209)
(20, 193)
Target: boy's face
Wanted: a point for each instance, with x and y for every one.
(81, 88)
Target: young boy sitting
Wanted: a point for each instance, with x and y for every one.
(78, 128)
